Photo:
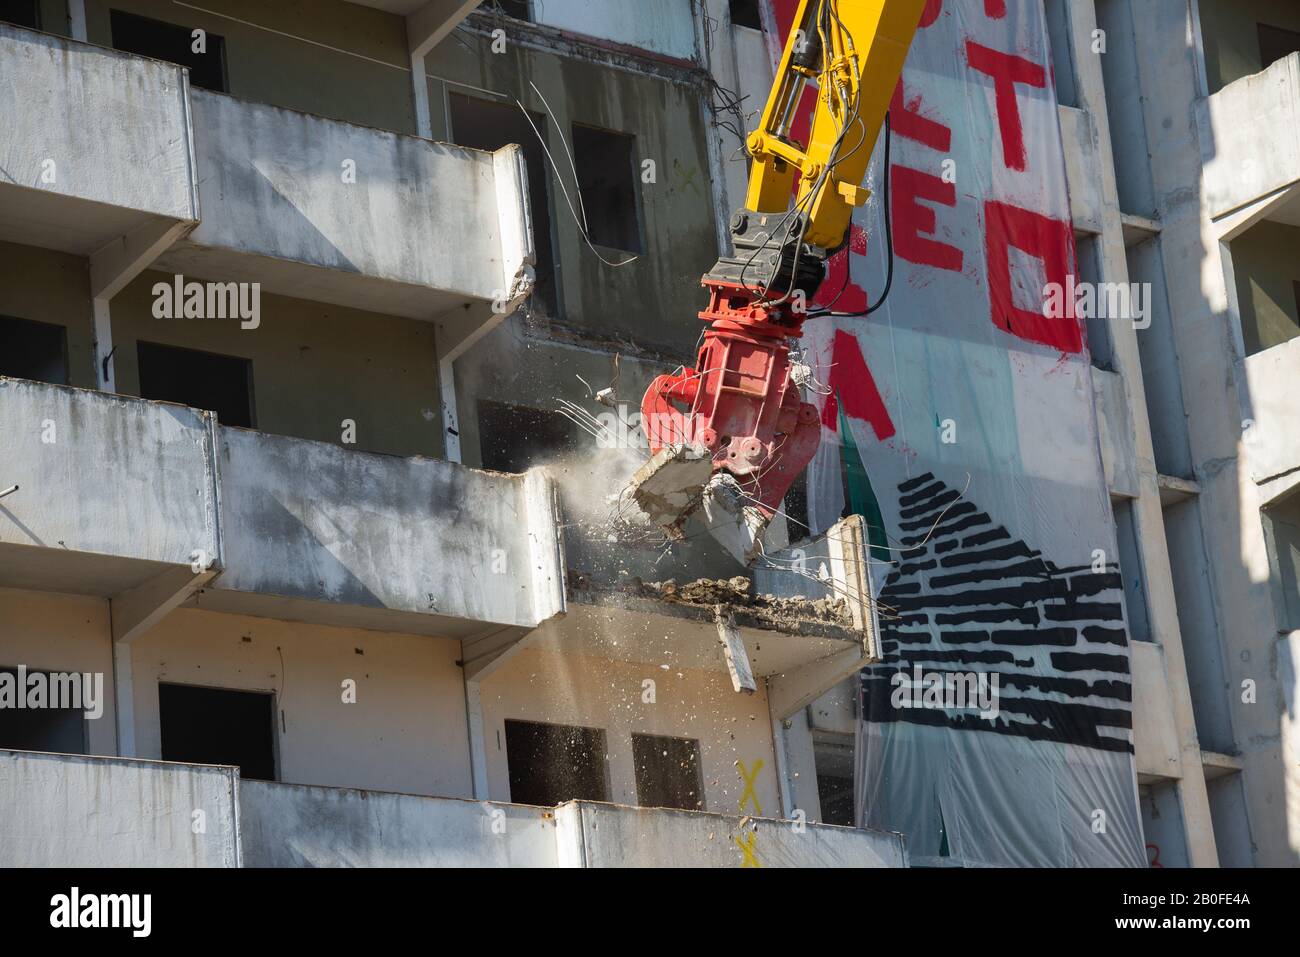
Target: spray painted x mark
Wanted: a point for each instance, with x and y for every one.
(747, 848)
(749, 777)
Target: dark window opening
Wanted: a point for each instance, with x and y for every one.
(484, 125)
(513, 438)
(744, 13)
(553, 763)
(21, 13)
(836, 796)
(833, 762)
(219, 726)
(173, 43)
(59, 730)
(519, 9)
(668, 772)
(204, 380)
(33, 350)
(1130, 569)
(1276, 43)
(607, 176)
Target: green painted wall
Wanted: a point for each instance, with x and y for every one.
(314, 365)
(52, 287)
(1266, 260)
(338, 60)
(1228, 33)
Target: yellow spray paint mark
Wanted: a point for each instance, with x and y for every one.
(749, 777)
(747, 848)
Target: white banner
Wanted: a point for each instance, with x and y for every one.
(998, 729)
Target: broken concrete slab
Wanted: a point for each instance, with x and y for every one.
(669, 487)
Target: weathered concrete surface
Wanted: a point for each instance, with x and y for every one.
(1249, 135)
(610, 835)
(1273, 448)
(289, 825)
(1082, 175)
(1118, 445)
(1155, 736)
(103, 478)
(311, 521)
(325, 210)
(94, 143)
(65, 810)
(660, 26)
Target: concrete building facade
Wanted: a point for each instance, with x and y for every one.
(380, 559)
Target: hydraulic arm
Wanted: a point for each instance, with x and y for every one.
(741, 405)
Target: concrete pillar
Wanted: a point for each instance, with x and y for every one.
(1148, 516)
(124, 699)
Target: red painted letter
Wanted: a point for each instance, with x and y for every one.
(851, 381)
(1007, 70)
(911, 219)
(905, 119)
(1049, 240)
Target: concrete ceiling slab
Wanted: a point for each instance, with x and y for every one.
(33, 217)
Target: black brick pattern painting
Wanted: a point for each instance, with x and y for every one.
(966, 596)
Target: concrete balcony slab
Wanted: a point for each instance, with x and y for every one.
(113, 491)
(328, 211)
(1253, 164)
(315, 532)
(116, 162)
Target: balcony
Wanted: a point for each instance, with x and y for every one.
(96, 145)
(1273, 443)
(145, 502)
(324, 210)
(795, 636)
(316, 532)
(113, 492)
(1253, 168)
(113, 812)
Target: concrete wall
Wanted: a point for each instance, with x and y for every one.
(106, 475)
(1224, 562)
(568, 688)
(335, 59)
(405, 732)
(1271, 378)
(143, 165)
(288, 826)
(1266, 264)
(306, 520)
(603, 835)
(49, 632)
(1118, 452)
(420, 214)
(661, 26)
(1082, 172)
(63, 811)
(1246, 161)
(313, 366)
(1155, 736)
(654, 300)
(1230, 37)
(51, 287)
